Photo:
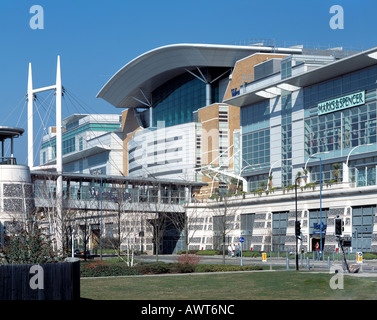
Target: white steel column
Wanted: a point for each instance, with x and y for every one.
(59, 162)
(30, 118)
(59, 159)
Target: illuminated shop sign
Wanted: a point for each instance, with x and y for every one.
(352, 100)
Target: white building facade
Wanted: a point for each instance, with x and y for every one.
(91, 144)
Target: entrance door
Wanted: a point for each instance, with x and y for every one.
(317, 240)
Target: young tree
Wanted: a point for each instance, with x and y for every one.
(223, 214)
(192, 221)
(336, 172)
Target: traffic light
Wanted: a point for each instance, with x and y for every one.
(298, 228)
(338, 226)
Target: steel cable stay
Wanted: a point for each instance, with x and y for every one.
(43, 126)
(14, 110)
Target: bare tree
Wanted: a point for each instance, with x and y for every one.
(223, 218)
(191, 221)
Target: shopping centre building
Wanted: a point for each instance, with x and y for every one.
(262, 118)
(316, 126)
(174, 122)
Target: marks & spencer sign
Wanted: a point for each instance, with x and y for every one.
(352, 100)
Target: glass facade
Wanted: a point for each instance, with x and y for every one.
(338, 133)
(69, 136)
(335, 134)
(175, 101)
(286, 68)
(286, 138)
(365, 79)
(255, 122)
(363, 171)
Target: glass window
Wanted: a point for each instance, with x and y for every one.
(365, 79)
(176, 100)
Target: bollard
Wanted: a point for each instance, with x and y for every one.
(287, 263)
(328, 262)
(307, 263)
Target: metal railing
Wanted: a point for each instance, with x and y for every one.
(8, 161)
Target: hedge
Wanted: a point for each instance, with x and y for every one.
(104, 269)
(208, 252)
(224, 268)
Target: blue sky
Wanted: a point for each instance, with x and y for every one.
(96, 38)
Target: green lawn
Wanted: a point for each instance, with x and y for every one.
(276, 285)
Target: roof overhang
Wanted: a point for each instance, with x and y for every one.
(73, 118)
(148, 71)
(10, 132)
(346, 65)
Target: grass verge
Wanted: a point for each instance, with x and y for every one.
(284, 285)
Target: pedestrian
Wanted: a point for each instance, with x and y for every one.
(229, 250)
(317, 251)
(237, 250)
(233, 249)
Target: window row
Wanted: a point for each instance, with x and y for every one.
(365, 79)
(341, 130)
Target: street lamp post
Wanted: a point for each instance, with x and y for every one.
(269, 173)
(243, 179)
(101, 223)
(320, 193)
(296, 220)
(361, 145)
(345, 166)
(320, 205)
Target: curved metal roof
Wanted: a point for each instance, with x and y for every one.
(151, 69)
(10, 132)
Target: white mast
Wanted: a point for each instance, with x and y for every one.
(59, 160)
(30, 118)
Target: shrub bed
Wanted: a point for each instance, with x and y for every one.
(208, 252)
(224, 267)
(188, 251)
(152, 268)
(105, 269)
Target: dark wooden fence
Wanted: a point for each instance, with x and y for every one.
(51, 281)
